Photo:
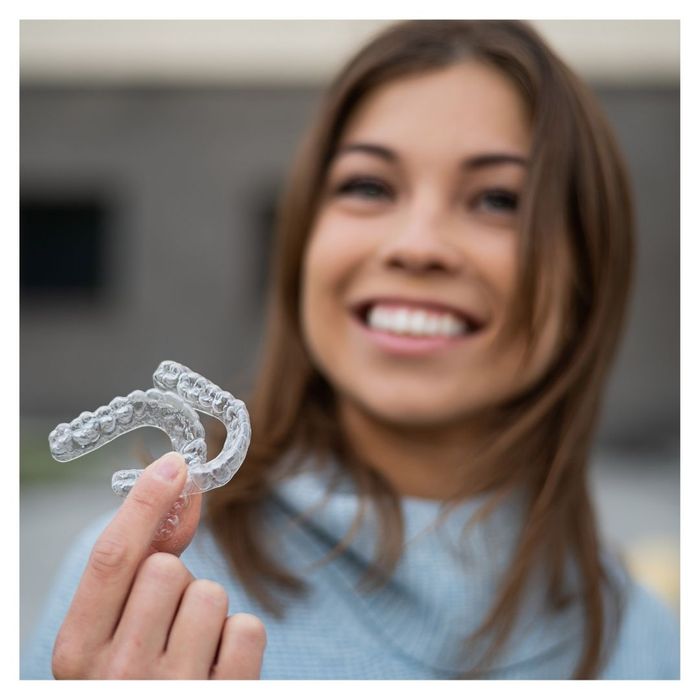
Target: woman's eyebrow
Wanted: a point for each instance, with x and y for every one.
(486, 159)
(480, 160)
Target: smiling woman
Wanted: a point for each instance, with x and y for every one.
(433, 241)
(455, 254)
(443, 236)
(452, 270)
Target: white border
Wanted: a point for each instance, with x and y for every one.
(690, 346)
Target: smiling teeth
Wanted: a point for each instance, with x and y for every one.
(403, 321)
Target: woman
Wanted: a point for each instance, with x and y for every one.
(451, 276)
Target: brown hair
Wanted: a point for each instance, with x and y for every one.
(550, 427)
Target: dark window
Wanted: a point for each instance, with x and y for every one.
(62, 247)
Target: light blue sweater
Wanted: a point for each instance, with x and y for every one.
(413, 627)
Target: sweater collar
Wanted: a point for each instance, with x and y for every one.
(446, 580)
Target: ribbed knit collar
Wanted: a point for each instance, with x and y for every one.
(445, 582)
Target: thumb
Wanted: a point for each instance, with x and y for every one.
(187, 515)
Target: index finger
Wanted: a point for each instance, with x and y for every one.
(120, 549)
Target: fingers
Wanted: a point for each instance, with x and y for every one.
(194, 637)
(119, 550)
(127, 616)
(242, 647)
(152, 604)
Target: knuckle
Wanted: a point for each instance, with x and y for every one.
(108, 556)
(163, 567)
(120, 668)
(176, 670)
(126, 663)
(248, 627)
(209, 593)
(144, 498)
(66, 659)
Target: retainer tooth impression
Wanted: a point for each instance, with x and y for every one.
(167, 374)
(61, 440)
(170, 406)
(138, 400)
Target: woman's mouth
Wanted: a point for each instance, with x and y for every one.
(414, 328)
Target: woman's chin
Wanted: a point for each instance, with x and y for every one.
(412, 413)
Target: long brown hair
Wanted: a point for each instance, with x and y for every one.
(575, 161)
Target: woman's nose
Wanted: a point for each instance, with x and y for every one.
(421, 245)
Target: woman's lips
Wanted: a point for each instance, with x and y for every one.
(364, 309)
(408, 345)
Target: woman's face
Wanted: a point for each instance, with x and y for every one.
(411, 264)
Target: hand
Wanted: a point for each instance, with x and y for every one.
(139, 613)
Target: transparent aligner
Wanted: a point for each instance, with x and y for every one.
(169, 524)
(170, 406)
(155, 408)
(152, 408)
(206, 397)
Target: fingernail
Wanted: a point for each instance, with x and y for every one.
(168, 467)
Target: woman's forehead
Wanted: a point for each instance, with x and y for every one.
(466, 107)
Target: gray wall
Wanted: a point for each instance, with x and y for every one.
(191, 175)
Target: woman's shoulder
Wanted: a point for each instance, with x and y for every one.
(647, 644)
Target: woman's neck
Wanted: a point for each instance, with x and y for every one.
(420, 461)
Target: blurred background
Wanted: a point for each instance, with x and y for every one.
(152, 154)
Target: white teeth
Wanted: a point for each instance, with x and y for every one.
(416, 323)
(403, 321)
(432, 325)
(399, 320)
(444, 324)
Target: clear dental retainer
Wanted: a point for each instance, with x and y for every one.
(170, 406)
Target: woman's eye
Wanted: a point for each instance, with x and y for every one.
(498, 201)
(364, 188)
